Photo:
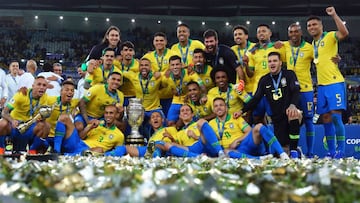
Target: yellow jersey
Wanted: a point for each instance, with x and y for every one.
(186, 53)
(299, 60)
(179, 85)
(327, 71)
(161, 64)
(98, 97)
(158, 135)
(146, 89)
(200, 110)
(23, 107)
(240, 53)
(58, 110)
(258, 61)
(99, 75)
(127, 88)
(182, 135)
(233, 100)
(206, 78)
(106, 138)
(229, 130)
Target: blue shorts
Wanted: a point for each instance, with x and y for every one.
(307, 104)
(74, 145)
(262, 107)
(20, 141)
(142, 150)
(80, 118)
(173, 113)
(247, 146)
(331, 97)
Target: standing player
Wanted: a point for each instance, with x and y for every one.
(241, 47)
(258, 65)
(299, 55)
(216, 54)
(185, 47)
(128, 63)
(281, 89)
(160, 63)
(331, 84)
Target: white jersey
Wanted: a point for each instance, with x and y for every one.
(55, 91)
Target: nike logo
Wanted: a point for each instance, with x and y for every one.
(268, 86)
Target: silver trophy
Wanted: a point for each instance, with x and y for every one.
(44, 112)
(135, 117)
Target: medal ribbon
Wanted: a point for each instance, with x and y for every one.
(277, 83)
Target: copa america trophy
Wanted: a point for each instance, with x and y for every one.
(44, 112)
(135, 117)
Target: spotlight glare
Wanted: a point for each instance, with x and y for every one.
(179, 22)
(36, 17)
(159, 21)
(227, 23)
(203, 23)
(61, 17)
(86, 18)
(273, 22)
(133, 20)
(107, 19)
(248, 22)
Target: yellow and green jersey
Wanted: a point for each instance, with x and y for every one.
(104, 137)
(186, 53)
(98, 97)
(229, 130)
(127, 88)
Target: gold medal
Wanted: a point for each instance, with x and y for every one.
(275, 96)
(316, 60)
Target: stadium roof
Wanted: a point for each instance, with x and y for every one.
(214, 8)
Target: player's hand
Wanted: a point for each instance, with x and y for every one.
(336, 59)
(292, 112)
(190, 69)
(168, 135)
(237, 114)
(14, 123)
(2, 102)
(191, 134)
(23, 90)
(119, 108)
(245, 60)
(157, 75)
(203, 99)
(330, 11)
(94, 123)
(239, 88)
(278, 44)
(167, 73)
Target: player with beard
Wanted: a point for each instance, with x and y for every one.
(92, 105)
(226, 90)
(281, 89)
(203, 70)
(186, 46)
(159, 59)
(99, 137)
(146, 84)
(201, 110)
(21, 108)
(177, 81)
(100, 74)
(216, 55)
(258, 66)
(128, 63)
(331, 84)
(237, 138)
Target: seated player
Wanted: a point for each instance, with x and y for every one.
(21, 108)
(98, 136)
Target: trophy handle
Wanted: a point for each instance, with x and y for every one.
(24, 126)
(125, 116)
